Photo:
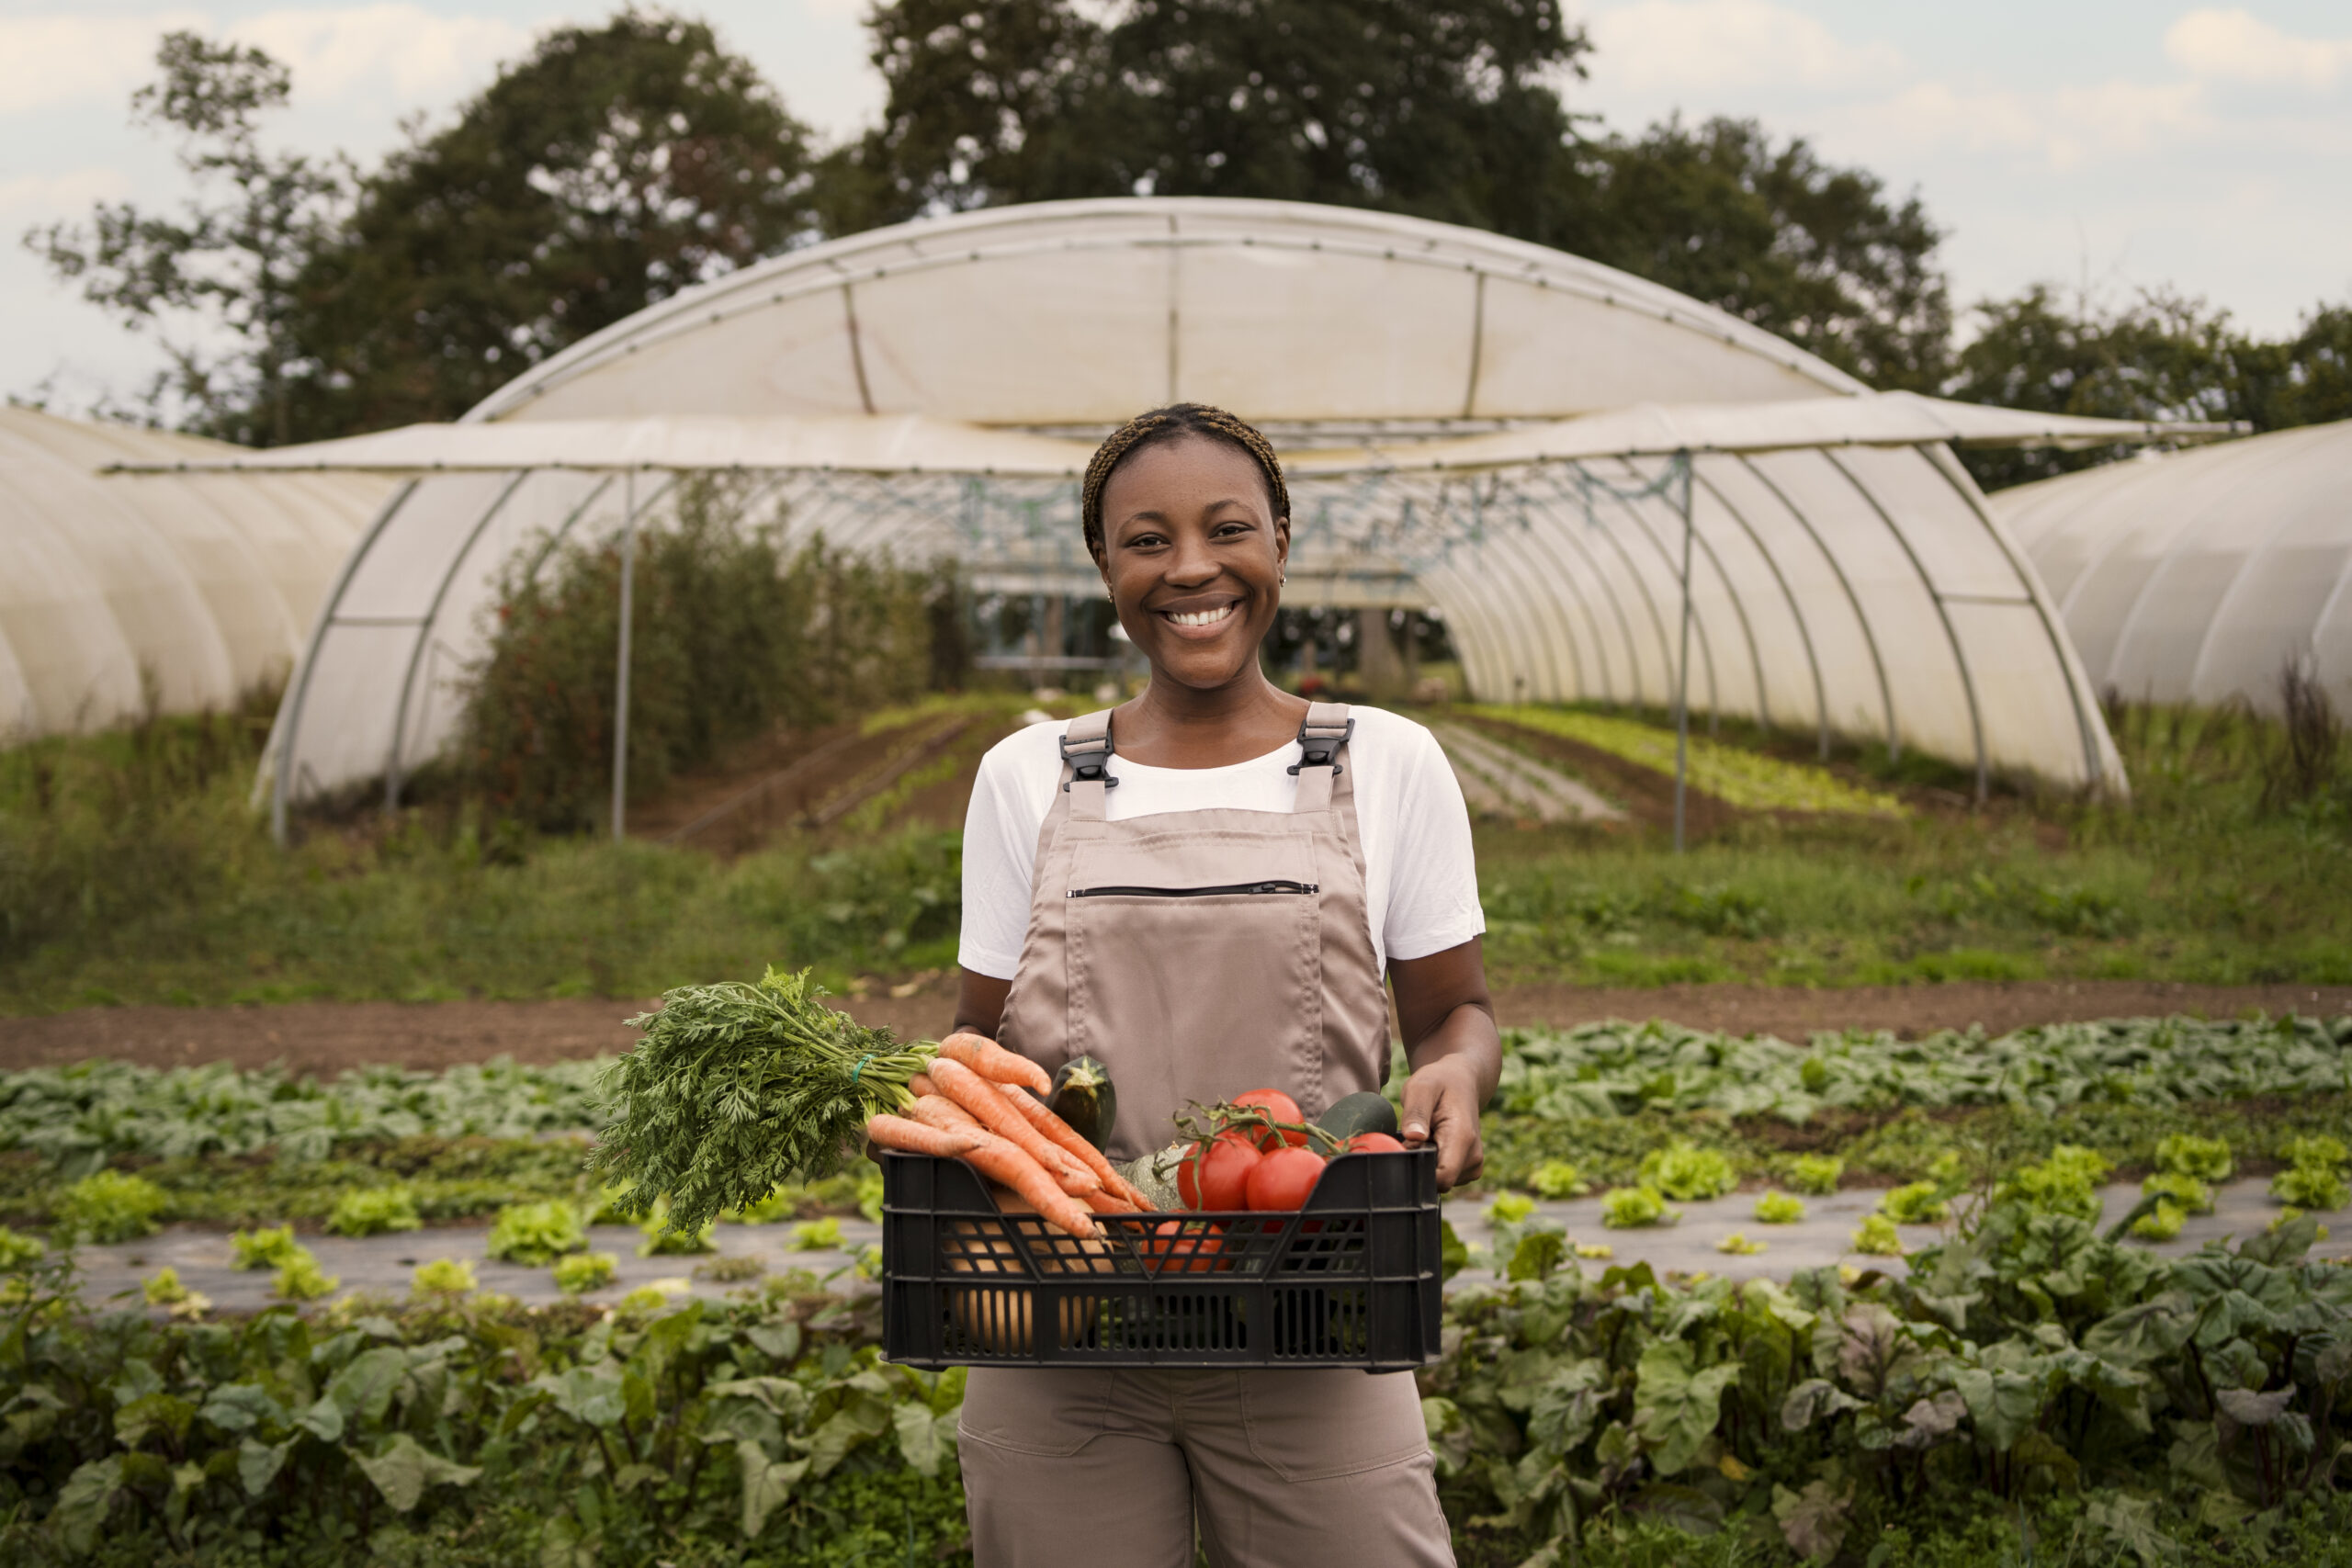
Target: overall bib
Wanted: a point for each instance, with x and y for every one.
(1197, 955)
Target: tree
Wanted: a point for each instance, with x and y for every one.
(614, 167)
(2161, 356)
(1440, 110)
(229, 262)
(1773, 235)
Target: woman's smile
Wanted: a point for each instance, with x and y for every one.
(1200, 621)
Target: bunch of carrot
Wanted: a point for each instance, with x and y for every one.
(974, 1102)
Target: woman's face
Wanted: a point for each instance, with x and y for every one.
(1192, 555)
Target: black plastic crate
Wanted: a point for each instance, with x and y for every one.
(1353, 1279)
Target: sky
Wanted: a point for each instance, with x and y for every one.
(2109, 144)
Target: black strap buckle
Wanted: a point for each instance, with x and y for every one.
(1319, 743)
(1088, 762)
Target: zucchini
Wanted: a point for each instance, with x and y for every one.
(1083, 1097)
(1361, 1112)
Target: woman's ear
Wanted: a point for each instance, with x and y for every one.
(1281, 544)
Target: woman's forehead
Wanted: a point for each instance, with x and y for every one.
(1183, 467)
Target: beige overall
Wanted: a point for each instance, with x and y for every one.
(1198, 955)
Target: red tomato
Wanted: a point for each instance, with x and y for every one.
(1282, 1180)
(1372, 1144)
(1184, 1246)
(1216, 1178)
(1279, 1106)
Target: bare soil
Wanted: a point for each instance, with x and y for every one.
(325, 1037)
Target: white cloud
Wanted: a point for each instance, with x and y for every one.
(2236, 46)
(2063, 129)
(67, 194)
(46, 61)
(1706, 45)
(412, 52)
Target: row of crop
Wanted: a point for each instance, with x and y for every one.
(2031, 1365)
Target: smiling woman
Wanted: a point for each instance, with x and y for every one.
(1203, 890)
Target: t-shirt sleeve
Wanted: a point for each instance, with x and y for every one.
(1000, 855)
(1434, 885)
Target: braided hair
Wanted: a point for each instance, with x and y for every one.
(1170, 423)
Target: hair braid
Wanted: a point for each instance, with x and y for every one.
(1166, 424)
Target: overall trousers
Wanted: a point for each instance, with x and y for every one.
(1198, 955)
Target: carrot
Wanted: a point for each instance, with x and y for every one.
(994, 1158)
(978, 1096)
(993, 1061)
(1063, 1136)
(1109, 1203)
(919, 1085)
(914, 1138)
(938, 1110)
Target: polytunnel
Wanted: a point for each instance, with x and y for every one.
(935, 389)
(2198, 576)
(178, 593)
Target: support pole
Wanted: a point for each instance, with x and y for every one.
(621, 663)
(1682, 470)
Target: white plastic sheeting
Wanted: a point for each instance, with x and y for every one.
(2197, 576)
(196, 588)
(1857, 590)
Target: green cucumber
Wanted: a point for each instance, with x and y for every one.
(1083, 1097)
(1361, 1113)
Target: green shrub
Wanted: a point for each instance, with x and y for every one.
(1817, 1174)
(1629, 1208)
(2186, 1154)
(1918, 1204)
(1780, 1209)
(2319, 1153)
(107, 1205)
(2163, 1224)
(263, 1248)
(300, 1280)
(163, 1288)
(445, 1277)
(1878, 1237)
(536, 1235)
(374, 1213)
(584, 1271)
(1685, 1173)
(1555, 1178)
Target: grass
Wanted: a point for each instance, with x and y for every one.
(134, 870)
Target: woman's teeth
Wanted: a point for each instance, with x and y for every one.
(1200, 618)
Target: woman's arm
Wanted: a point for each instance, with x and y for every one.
(980, 1002)
(1454, 1051)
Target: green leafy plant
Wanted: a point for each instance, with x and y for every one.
(2201, 1159)
(374, 1213)
(445, 1277)
(1509, 1209)
(2187, 1193)
(2289, 1216)
(1556, 1179)
(18, 1250)
(2319, 1153)
(109, 1205)
(272, 1248)
(1739, 1245)
(1629, 1208)
(536, 1235)
(731, 1271)
(1878, 1237)
(1684, 1172)
(2311, 1187)
(1817, 1174)
(817, 1236)
(300, 1278)
(163, 1288)
(1916, 1204)
(2064, 1183)
(662, 1240)
(2160, 1224)
(584, 1271)
(1780, 1209)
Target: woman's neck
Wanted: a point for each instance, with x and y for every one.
(1174, 726)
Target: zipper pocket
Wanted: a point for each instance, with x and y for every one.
(1278, 886)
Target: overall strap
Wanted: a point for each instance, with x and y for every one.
(1085, 765)
(1322, 737)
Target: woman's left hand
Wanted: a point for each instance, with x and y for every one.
(1442, 1104)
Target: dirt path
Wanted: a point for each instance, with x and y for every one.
(328, 1036)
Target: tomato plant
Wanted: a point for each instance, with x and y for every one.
(1282, 1180)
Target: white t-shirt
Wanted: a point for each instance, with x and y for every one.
(1420, 881)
